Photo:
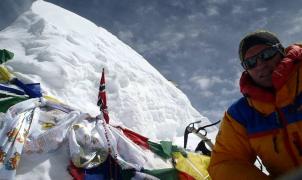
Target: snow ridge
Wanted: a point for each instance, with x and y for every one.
(66, 53)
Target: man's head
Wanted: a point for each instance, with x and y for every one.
(259, 53)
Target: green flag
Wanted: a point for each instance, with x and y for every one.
(5, 55)
(164, 149)
(6, 101)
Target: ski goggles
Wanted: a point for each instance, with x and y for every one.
(265, 55)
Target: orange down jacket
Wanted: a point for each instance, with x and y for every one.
(264, 124)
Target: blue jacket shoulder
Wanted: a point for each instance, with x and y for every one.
(240, 111)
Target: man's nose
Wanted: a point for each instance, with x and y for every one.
(260, 63)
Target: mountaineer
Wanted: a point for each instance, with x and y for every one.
(267, 121)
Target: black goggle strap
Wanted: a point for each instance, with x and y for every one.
(248, 64)
(280, 48)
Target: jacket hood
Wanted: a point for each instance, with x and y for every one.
(279, 77)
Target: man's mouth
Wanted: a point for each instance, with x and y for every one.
(265, 76)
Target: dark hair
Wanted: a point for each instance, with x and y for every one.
(255, 38)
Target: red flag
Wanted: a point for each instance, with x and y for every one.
(135, 137)
(102, 102)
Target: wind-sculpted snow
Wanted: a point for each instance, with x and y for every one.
(66, 53)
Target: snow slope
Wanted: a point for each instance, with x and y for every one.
(66, 53)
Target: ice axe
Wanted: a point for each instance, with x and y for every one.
(203, 136)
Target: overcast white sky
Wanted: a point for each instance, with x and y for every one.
(191, 42)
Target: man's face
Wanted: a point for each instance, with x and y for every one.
(262, 73)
